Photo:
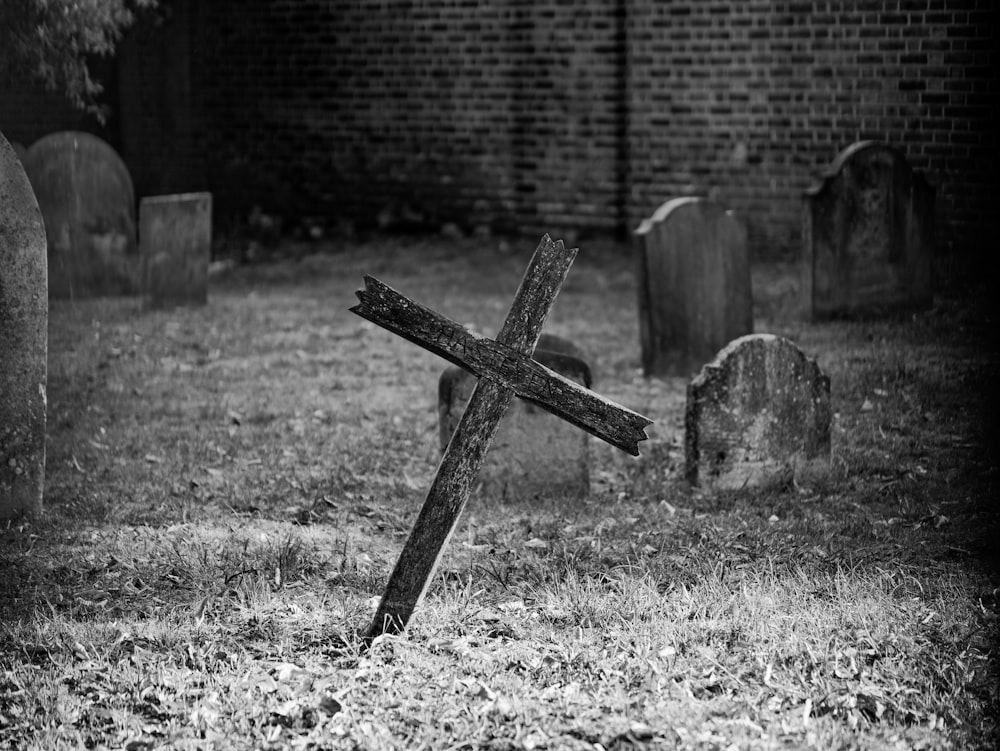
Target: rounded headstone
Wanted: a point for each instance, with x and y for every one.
(868, 232)
(23, 341)
(88, 203)
(534, 454)
(759, 414)
(551, 348)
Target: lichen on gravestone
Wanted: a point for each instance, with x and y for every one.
(757, 415)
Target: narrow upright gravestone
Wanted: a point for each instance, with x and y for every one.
(24, 311)
(85, 193)
(534, 453)
(759, 414)
(175, 245)
(505, 369)
(693, 284)
(868, 228)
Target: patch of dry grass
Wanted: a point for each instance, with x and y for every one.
(228, 489)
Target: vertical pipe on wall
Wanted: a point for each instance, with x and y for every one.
(622, 82)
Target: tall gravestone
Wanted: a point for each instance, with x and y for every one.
(759, 414)
(535, 454)
(868, 234)
(693, 284)
(85, 193)
(175, 244)
(23, 341)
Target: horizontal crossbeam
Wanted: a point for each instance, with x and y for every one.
(486, 358)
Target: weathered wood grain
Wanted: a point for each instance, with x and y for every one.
(445, 502)
(601, 417)
(505, 368)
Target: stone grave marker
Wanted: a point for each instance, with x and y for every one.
(868, 232)
(175, 245)
(534, 453)
(24, 314)
(758, 414)
(505, 370)
(693, 285)
(85, 193)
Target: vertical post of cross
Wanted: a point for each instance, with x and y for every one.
(463, 458)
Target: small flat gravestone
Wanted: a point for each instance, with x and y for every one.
(758, 415)
(85, 193)
(534, 454)
(693, 284)
(175, 245)
(868, 228)
(24, 313)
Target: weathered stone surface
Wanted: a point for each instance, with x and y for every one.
(85, 193)
(693, 284)
(175, 244)
(868, 232)
(758, 414)
(534, 453)
(24, 313)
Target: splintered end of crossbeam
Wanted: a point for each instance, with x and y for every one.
(369, 296)
(630, 432)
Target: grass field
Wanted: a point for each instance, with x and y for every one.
(228, 488)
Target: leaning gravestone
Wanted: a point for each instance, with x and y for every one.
(534, 454)
(759, 414)
(85, 193)
(24, 312)
(693, 284)
(175, 245)
(868, 229)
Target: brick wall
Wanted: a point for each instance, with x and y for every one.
(586, 115)
(160, 133)
(556, 115)
(425, 111)
(748, 101)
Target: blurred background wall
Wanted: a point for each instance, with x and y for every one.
(544, 115)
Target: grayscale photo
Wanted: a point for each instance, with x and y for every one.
(499, 375)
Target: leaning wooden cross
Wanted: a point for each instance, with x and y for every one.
(505, 370)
